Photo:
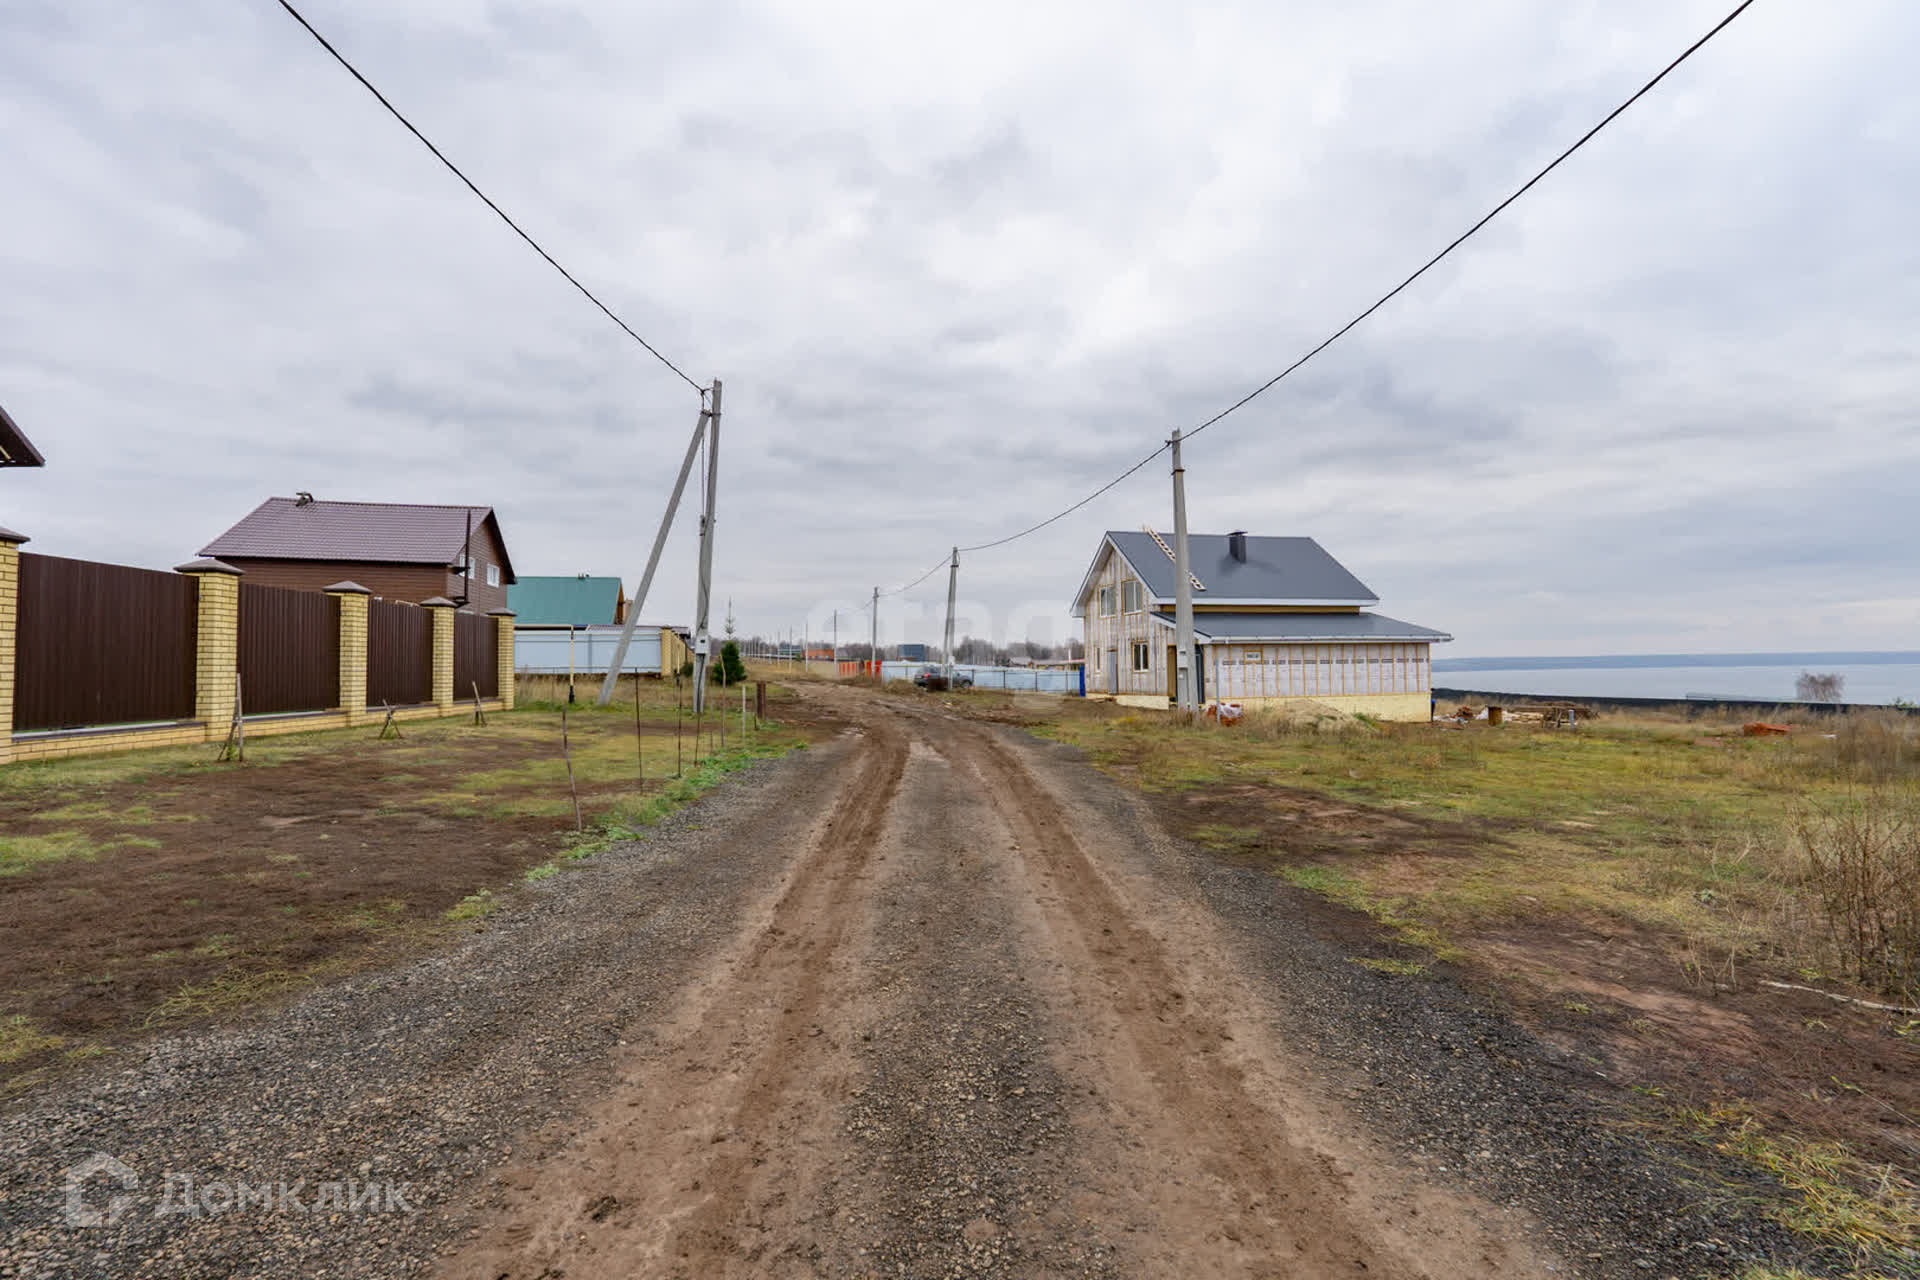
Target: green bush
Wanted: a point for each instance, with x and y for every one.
(729, 669)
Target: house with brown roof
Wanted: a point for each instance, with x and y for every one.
(396, 550)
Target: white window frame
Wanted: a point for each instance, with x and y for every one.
(1142, 656)
(493, 575)
(1106, 602)
(1132, 587)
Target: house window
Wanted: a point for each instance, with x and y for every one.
(1106, 602)
(1130, 598)
(1250, 655)
(493, 575)
(1142, 656)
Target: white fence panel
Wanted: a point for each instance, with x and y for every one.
(586, 651)
(1029, 679)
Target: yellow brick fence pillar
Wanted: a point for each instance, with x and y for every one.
(353, 648)
(9, 623)
(442, 610)
(216, 644)
(503, 654)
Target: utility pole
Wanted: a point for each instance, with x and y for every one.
(836, 642)
(612, 679)
(1182, 590)
(702, 642)
(953, 585)
(873, 645)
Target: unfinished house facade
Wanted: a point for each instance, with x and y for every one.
(1275, 620)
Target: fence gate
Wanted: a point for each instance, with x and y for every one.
(399, 654)
(476, 641)
(102, 644)
(289, 650)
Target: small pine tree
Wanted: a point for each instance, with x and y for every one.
(730, 669)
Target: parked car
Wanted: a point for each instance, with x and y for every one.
(934, 679)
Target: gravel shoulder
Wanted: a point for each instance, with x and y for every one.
(422, 1077)
(930, 999)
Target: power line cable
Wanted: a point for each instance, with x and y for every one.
(1388, 296)
(487, 200)
(1468, 234)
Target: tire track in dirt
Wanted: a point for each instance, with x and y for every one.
(707, 1159)
(960, 1157)
(1191, 1130)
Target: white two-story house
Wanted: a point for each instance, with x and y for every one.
(1274, 620)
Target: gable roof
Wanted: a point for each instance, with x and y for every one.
(1312, 627)
(573, 601)
(377, 532)
(15, 449)
(1276, 571)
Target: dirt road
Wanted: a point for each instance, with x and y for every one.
(970, 1032)
(930, 999)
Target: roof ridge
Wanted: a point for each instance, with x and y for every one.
(363, 502)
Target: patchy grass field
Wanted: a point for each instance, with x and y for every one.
(1633, 888)
(151, 889)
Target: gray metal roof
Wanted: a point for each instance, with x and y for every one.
(1276, 570)
(383, 532)
(1316, 628)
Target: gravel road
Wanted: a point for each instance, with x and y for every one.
(931, 999)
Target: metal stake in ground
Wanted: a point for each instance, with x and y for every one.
(388, 723)
(679, 721)
(639, 745)
(566, 752)
(479, 716)
(235, 747)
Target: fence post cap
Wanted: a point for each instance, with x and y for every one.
(206, 564)
(346, 589)
(8, 535)
(501, 613)
(437, 602)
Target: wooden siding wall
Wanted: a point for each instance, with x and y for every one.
(289, 650)
(410, 582)
(102, 644)
(1120, 632)
(1316, 670)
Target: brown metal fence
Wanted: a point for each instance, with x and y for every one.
(399, 654)
(289, 650)
(476, 640)
(102, 644)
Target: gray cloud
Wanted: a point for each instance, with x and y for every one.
(958, 267)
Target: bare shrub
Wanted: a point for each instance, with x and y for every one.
(1820, 686)
(1863, 867)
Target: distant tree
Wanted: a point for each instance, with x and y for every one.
(974, 650)
(1818, 687)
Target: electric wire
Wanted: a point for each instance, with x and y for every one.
(1468, 234)
(1390, 294)
(485, 199)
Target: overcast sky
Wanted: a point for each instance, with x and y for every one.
(959, 265)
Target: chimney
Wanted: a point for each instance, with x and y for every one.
(1237, 545)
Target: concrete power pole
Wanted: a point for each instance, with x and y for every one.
(874, 644)
(1182, 591)
(953, 586)
(702, 643)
